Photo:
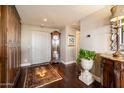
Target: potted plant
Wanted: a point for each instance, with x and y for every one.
(86, 59)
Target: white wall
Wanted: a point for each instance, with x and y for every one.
(77, 43)
(70, 50)
(26, 42)
(63, 45)
(98, 27)
(68, 54)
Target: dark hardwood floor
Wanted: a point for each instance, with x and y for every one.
(69, 74)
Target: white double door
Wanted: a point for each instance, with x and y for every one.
(41, 47)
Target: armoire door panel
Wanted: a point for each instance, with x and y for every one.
(0, 72)
(11, 31)
(0, 36)
(11, 23)
(10, 64)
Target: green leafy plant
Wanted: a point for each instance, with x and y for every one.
(86, 54)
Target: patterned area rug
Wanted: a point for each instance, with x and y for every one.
(40, 76)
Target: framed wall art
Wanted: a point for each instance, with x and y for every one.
(71, 40)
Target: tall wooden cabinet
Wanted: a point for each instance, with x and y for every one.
(113, 71)
(10, 46)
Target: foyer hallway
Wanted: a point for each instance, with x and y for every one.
(69, 74)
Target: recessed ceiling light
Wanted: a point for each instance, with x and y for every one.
(45, 19)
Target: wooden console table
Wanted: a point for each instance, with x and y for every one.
(113, 71)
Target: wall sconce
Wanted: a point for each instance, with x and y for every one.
(88, 36)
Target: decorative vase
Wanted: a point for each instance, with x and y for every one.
(86, 76)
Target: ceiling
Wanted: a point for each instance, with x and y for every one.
(57, 15)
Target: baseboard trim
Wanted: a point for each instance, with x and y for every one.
(25, 64)
(98, 79)
(62, 62)
(68, 62)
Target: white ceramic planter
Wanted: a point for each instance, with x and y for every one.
(86, 76)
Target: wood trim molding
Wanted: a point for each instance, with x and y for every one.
(25, 64)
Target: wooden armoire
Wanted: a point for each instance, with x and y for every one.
(10, 45)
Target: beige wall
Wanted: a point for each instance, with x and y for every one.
(70, 50)
(26, 42)
(63, 45)
(97, 25)
(77, 42)
(68, 54)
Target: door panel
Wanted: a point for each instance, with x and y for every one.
(108, 74)
(122, 75)
(117, 74)
(41, 47)
(0, 45)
